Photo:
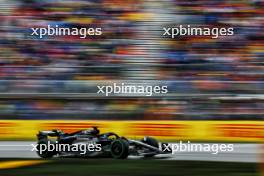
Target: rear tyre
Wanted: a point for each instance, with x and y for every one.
(120, 149)
(44, 153)
(152, 142)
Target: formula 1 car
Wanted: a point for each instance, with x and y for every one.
(90, 143)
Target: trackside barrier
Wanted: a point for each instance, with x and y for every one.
(240, 131)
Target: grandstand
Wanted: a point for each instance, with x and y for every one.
(56, 78)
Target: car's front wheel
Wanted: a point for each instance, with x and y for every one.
(120, 149)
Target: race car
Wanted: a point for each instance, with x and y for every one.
(90, 143)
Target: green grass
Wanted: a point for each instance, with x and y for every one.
(147, 167)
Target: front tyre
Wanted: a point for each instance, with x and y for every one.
(120, 149)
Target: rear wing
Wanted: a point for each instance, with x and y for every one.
(45, 134)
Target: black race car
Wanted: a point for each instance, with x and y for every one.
(90, 143)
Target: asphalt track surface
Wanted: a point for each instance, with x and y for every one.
(242, 153)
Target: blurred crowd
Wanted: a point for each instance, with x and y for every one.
(132, 109)
(206, 78)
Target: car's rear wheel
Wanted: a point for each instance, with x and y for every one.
(42, 149)
(120, 149)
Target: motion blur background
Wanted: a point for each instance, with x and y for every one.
(56, 77)
(216, 88)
